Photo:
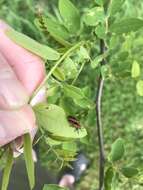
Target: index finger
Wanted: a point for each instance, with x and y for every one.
(28, 67)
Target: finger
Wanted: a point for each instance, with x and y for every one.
(12, 93)
(14, 124)
(28, 67)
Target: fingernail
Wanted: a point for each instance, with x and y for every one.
(40, 97)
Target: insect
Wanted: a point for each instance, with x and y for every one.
(41, 21)
(74, 122)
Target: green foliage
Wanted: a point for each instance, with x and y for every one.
(54, 28)
(7, 169)
(109, 178)
(70, 15)
(29, 159)
(97, 61)
(129, 172)
(135, 69)
(117, 150)
(139, 87)
(94, 16)
(53, 119)
(53, 187)
(115, 6)
(100, 31)
(127, 25)
(77, 95)
(33, 46)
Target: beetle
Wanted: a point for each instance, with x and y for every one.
(74, 122)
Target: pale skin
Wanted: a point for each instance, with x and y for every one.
(20, 74)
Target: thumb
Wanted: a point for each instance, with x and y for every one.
(12, 93)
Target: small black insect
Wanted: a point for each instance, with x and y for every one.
(74, 122)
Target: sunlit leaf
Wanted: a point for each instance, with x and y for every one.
(71, 146)
(35, 47)
(59, 74)
(55, 29)
(94, 16)
(70, 68)
(135, 69)
(139, 87)
(83, 53)
(70, 15)
(52, 118)
(52, 142)
(73, 92)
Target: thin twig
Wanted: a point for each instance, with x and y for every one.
(99, 121)
(81, 68)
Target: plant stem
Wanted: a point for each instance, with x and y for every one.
(75, 79)
(99, 121)
(54, 67)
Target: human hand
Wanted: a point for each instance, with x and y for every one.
(20, 74)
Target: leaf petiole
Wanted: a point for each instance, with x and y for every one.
(67, 53)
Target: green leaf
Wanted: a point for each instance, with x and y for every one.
(68, 105)
(129, 171)
(135, 72)
(100, 31)
(83, 53)
(29, 159)
(105, 71)
(84, 103)
(56, 30)
(115, 182)
(115, 6)
(108, 178)
(127, 25)
(7, 169)
(117, 150)
(52, 119)
(35, 47)
(53, 142)
(59, 74)
(53, 90)
(70, 68)
(94, 16)
(96, 61)
(77, 95)
(73, 92)
(53, 187)
(99, 2)
(70, 146)
(70, 15)
(139, 87)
